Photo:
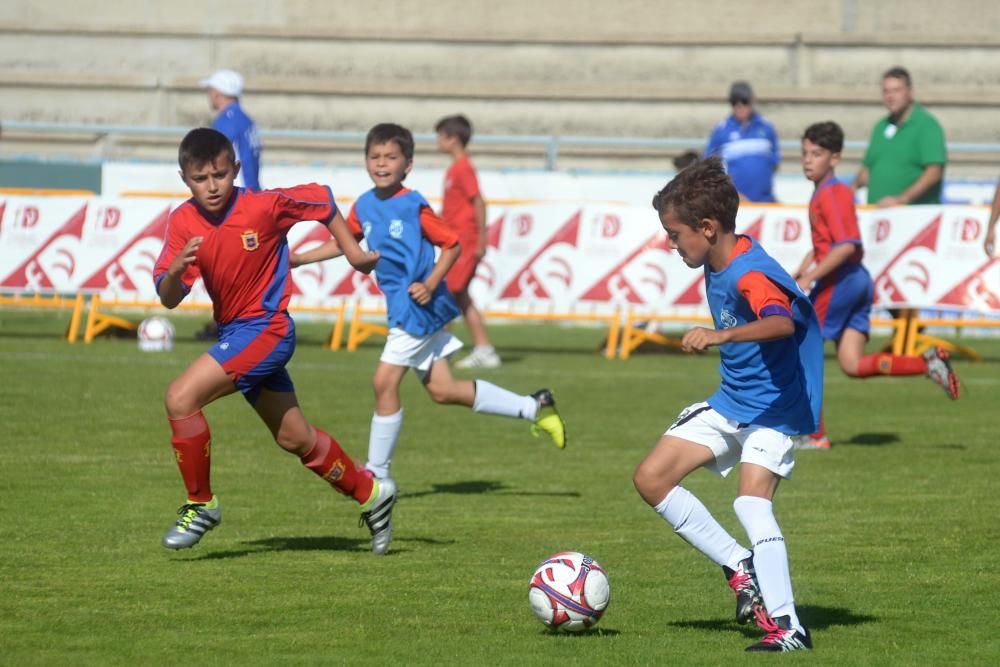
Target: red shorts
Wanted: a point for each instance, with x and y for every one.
(464, 268)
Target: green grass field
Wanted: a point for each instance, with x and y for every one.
(893, 536)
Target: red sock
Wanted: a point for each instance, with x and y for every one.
(330, 462)
(891, 364)
(821, 433)
(192, 443)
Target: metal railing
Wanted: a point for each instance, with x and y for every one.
(550, 145)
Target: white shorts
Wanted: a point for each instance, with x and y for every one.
(732, 442)
(418, 352)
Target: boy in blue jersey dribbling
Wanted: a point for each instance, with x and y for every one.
(400, 225)
(771, 353)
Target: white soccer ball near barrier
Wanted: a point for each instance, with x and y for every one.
(156, 334)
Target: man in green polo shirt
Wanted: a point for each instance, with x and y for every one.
(906, 155)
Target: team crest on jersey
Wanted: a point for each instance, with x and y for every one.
(396, 228)
(250, 240)
(366, 227)
(728, 319)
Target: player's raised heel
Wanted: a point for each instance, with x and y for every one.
(547, 418)
(780, 637)
(940, 371)
(811, 442)
(743, 581)
(480, 358)
(378, 515)
(194, 520)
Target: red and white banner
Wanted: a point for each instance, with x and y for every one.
(553, 256)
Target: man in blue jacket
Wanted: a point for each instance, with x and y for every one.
(748, 146)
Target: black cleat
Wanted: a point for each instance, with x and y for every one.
(780, 636)
(743, 581)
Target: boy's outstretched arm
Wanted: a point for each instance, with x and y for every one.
(327, 250)
(837, 256)
(806, 264)
(422, 292)
(773, 327)
(361, 260)
(769, 302)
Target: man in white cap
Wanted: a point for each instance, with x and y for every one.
(224, 89)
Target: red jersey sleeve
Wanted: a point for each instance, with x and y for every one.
(765, 298)
(836, 209)
(302, 202)
(176, 238)
(465, 180)
(353, 224)
(435, 230)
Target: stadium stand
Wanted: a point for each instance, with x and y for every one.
(630, 69)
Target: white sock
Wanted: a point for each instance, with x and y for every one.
(382, 442)
(770, 558)
(494, 400)
(692, 521)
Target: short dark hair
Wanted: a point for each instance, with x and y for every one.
(685, 160)
(203, 145)
(702, 190)
(455, 126)
(827, 135)
(383, 133)
(900, 73)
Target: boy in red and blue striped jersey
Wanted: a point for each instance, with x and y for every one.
(842, 290)
(235, 240)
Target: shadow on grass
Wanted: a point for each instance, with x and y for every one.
(318, 543)
(814, 617)
(818, 617)
(873, 439)
(590, 632)
(474, 487)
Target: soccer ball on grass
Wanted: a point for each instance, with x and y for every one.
(569, 591)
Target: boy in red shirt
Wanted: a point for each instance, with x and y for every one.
(235, 240)
(842, 290)
(465, 212)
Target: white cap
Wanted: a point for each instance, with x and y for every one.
(226, 81)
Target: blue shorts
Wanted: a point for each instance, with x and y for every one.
(844, 302)
(254, 354)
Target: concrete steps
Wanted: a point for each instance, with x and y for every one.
(635, 68)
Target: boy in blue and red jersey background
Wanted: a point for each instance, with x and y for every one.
(235, 240)
(842, 290)
(772, 388)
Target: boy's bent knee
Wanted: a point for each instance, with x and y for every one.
(646, 480)
(440, 395)
(296, 441)
(178, 402)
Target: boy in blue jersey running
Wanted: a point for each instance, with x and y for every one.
(772, 383)
(401, 226)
